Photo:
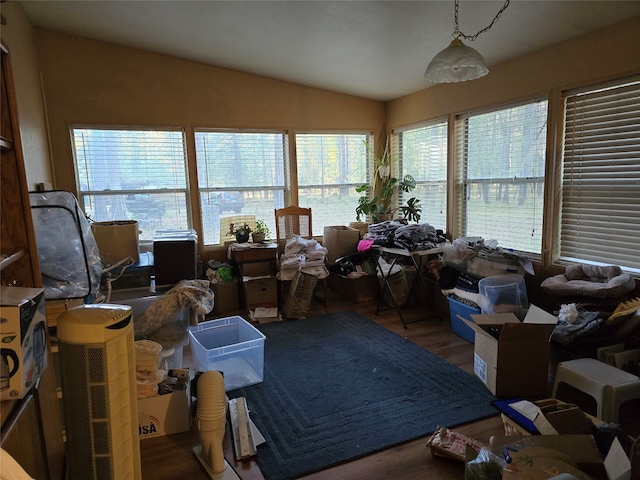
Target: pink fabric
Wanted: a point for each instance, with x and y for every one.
(364, 245)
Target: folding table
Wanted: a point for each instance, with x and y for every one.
(415, 257)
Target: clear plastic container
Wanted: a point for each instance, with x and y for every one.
(232, 346)
(173, 335)
(503, 294)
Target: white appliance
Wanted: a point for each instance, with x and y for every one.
(96, 347)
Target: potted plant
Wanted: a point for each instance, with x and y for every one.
(261, 232)
(385, 189)
(241, 232)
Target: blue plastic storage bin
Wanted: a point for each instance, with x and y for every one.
(457, 325)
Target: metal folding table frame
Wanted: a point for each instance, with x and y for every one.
(395, 254)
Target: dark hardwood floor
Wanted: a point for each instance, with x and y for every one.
(172, 456)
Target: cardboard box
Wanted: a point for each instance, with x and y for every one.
(117, 240)
(226, 296)
(340, 241)
(23, 336)
(512, 357)
(164, 414)
(258, 269)
(299, 296)
(546, 456)
(260, 292)
(356, 290)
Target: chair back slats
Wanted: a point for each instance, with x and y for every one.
(292, 221)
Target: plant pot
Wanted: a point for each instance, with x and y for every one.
(242, 238)
(258, 237)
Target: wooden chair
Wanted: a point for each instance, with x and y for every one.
(292, 221)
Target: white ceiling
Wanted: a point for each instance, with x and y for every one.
(374, 49)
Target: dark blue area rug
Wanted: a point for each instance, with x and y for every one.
(339, 386)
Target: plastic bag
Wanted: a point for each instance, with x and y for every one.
(486, 466)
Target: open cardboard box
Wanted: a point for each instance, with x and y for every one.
(580, 452)
(512, 357)
(164, 414)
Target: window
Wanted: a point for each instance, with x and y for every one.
(241, 177)
(600, 213)
(500, 165)
(423, 154)
(330, 167)
(138, 175)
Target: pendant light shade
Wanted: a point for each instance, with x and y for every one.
(456, 63)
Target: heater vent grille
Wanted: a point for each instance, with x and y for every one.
(86, 422)
(97, 366)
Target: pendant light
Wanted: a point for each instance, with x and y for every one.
(459, 62)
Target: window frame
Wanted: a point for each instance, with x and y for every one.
(283, 191)
(83, 193)
(397, 148)
(460, 172)
(318, 226)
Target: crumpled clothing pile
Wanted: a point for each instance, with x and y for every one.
(157, 323)
(399, 234)
(305, 255)
(569, 327)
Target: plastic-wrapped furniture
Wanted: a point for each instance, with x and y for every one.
(69, 256)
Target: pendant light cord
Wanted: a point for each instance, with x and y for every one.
(457, 33)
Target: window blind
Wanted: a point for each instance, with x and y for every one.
(600, 213)
(330, 167)
(500, 168)
(240, 173)
(423, 154)
(132, 174)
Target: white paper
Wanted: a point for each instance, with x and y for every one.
(526, 408)
(537, 315)
(262, 312)
(617, 463)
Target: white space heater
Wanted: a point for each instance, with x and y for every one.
(99, 392)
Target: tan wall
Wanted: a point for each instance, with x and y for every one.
(19, 37)
(608, 53)
(98, 83)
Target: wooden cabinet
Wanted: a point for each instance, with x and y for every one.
(17, 240)
(31, 427)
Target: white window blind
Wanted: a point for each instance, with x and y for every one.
(600, 215)
(330, 167)
(423, 154)
(500, 159)
(241, 178)
(125, 174)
